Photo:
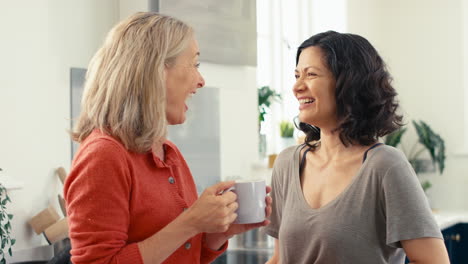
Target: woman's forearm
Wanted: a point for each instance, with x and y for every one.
(215, 240)
(426, 250)
(161, 245)
(275, 258)
(272, 261)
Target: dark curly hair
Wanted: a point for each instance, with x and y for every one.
(365, 98)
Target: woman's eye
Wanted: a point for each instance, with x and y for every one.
(311, 74)
(296, 76)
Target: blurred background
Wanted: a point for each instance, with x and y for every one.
(245, 45)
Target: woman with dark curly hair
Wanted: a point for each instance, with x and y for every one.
(342, 197)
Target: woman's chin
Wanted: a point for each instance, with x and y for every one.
(176, 121)
(305, 118)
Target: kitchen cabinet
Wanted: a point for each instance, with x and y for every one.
(456, 241)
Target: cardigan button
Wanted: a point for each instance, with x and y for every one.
(171, 180)
(188, 245)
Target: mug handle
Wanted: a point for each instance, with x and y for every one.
(227, 190)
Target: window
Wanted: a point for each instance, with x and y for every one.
(282, 25)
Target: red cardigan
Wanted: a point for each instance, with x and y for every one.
(116, 198)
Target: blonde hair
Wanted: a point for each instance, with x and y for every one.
(125, 88)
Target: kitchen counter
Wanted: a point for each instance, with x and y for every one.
(447, 219)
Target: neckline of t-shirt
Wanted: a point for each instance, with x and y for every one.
(300, 193)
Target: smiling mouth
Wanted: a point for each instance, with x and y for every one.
(188, 99)
(190, 95)
(306, 101)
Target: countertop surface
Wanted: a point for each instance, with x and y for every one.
(449, 218)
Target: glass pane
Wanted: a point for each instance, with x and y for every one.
(263, 17)
(264, 62)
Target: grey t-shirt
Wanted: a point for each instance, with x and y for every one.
(383, 204)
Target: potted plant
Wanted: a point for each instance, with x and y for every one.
(286, 133)
(428, 142)
(5, 225)
(286, 129)
(266, 96)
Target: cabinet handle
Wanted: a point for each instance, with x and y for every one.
(456, 237)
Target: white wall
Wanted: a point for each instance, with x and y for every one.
(421, 41)
(464, 13)
(40, 41)
(129, 7)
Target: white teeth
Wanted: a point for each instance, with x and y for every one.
(306, 101)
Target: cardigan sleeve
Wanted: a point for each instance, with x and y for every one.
(208, 255)
(97, 193)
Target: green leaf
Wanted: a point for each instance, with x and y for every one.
(434, 144)
(265, 97)
(426, 185)
(394, 139)
(13, 241)
(440, 155)
(425, 135)
(9, 252)
(10, 216)
(286, 129)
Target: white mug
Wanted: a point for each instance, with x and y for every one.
(251, 199)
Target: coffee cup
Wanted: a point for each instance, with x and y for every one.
(251, 200)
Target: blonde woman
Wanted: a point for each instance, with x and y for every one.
(130, 196)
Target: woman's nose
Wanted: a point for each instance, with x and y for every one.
(201, 82)
(298, 86)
